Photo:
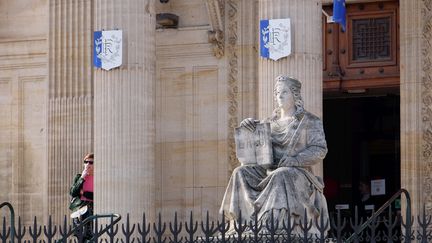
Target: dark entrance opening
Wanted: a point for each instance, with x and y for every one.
(363, 135)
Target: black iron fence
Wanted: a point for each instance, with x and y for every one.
(387, 227)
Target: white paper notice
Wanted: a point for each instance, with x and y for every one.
(378, 187)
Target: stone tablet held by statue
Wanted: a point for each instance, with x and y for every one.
(254, 147)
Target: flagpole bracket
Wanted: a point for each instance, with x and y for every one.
(329, 19)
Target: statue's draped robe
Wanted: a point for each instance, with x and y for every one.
(254, 190)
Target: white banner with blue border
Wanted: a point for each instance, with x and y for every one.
(275, 38)
(107, 53)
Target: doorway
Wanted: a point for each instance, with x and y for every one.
(363, 140)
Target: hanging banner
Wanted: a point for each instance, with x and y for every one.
(339, 13)
(107, 49)
(275, 38)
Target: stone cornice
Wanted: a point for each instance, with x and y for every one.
(23, 48)
(215, 9)
(27, 39)
(189, 51)
(24, 66)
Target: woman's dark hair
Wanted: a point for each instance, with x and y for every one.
(88, 156)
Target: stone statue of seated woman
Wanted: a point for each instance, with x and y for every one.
(298, 143)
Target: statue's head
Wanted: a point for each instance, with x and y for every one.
(295, 87)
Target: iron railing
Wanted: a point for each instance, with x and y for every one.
(384, 226)
(372, 219)
(12, 218)
(78, 229)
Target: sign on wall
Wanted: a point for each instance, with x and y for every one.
(275, 38)
(378, 187)
(107, 49)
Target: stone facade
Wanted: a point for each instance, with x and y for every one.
(23, 106)
(70, 97)
(163, 123)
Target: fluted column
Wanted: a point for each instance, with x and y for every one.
(70, 99)
(305, 62)
(124, 112)
(416, 93)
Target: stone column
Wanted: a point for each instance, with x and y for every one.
(416, 108)
(124, 112)
(305, 62)
(70, 98)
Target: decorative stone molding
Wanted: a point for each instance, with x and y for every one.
(215, 9)
(426, 96)
(28, 53)
(194, 51)
(232, 10)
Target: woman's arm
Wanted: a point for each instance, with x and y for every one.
(75, 189)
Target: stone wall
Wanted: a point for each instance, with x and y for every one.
(190, 121)
(46, 100)
(200, 99)
(23, 102)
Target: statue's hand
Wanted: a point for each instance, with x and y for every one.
(249, 123)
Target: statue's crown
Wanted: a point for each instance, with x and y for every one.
(289, 80)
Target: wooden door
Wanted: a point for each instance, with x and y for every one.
(366, 55)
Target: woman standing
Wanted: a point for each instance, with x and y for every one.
(82, 193)
(298, 143)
